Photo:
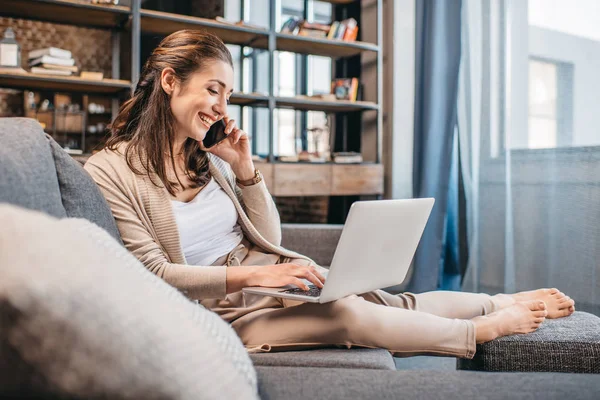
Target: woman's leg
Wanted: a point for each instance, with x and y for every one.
(446, 304)
(353, 321)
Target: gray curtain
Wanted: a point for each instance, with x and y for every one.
(438, 49)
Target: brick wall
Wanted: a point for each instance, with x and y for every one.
(91, 48)
(303, 209)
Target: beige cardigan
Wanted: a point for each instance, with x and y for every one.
(145, 219)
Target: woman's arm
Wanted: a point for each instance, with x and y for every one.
(194, 281)
(262, 211)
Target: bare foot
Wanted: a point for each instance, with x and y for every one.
(521, 317)
(557, 303)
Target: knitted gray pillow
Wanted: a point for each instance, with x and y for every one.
(81, 317)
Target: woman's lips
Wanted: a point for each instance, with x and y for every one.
(204, 119)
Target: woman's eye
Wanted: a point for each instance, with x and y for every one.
(228, 100)
(213, 91)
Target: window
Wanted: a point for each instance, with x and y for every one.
(564, 57)
(550, 104)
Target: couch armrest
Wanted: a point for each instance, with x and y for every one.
(317, 241)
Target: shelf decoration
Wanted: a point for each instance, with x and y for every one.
(10, 51)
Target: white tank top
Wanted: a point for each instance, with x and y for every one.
(207, 225)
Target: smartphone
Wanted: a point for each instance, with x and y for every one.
(215, 134)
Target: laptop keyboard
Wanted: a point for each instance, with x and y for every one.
(312, 291)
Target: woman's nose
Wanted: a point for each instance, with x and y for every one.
(220, 106)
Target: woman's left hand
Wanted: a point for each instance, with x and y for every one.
(235, 150)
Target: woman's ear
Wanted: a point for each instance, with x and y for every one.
(167, 80)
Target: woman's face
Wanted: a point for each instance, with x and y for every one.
(202, 100)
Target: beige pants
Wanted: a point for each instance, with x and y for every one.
(406, 324)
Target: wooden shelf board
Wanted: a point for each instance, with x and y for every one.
(321, 47)
(70, 12)
(62, 83)
(165, 23)
(249, 99)
(326, 106)
(322, 179)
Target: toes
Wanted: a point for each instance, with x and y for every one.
(561, 313)
(553, 291)
(535, 305)
(566, 303)
(540, 314)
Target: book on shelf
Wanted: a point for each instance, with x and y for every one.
(49, 51)
(350, 31)
(312, 33)
(345, 88)
(93, 75)
(314, 29)
(292, 25)
(52, 60)
(47, 71)
(71, 68)
(347, 157)
(333, 29)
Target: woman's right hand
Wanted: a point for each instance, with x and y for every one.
(272, 276)
(285, 274)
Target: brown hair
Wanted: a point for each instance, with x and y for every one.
(145, 121)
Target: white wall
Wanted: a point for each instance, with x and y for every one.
(526, 40)
(584, 54)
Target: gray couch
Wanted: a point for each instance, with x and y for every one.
(35, 173)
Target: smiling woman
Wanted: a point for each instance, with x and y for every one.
(184, 88)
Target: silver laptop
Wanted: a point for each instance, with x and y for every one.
(375, 250)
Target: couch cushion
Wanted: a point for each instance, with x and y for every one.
(27, 172)
(570, 344)
(80, 317)
(316, 241)
(324, 383)
(80, 195)
(329, 358)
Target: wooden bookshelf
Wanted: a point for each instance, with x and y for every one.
(30, 81)
(164, 23)
(70, 12)
(285, 179)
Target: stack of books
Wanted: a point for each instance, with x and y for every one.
(52, 61)
(346, 30)
(348, 157)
